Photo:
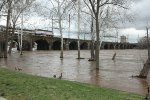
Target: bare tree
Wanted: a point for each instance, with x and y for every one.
(92, 45)
(57, 10)
(7, 28)
(17, 8)
(146, 67)
(2, 3)
(99, 9)
(142, 43)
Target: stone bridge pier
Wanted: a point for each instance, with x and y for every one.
(52, 43)
(70, 44)
(116, 45)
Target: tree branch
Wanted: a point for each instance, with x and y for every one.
(3, 5)
(92, 5)
(88, 6)
(88, 14)
(116, 5)
(104, 3)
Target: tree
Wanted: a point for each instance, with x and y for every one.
(7, 28)
(57, 9)
(3, 3)
(99, 9)
(146, 67)
(142, 43)
(62, 6)
(17, 8)
(92, 45)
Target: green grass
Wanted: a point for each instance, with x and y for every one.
(20, 86)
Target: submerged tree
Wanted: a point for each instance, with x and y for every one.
(56, 10)
(99, 9)
(17, 8)
(142, 43)
(92, 45)
(12, 9)
(146, 67)
(2, 4)
(7, 28)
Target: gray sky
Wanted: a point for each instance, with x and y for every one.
(140, 10)
(142, 13)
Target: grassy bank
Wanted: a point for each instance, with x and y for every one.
(19, 86)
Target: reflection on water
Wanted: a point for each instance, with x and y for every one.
(114, 74)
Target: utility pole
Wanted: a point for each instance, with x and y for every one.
(52, 25)
(68, 34)
(148, 43)
(21, 34)
(78, 29)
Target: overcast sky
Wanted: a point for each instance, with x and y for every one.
(141, 10)
(134, 30)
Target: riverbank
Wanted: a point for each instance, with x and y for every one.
(116, 75)
(19, 86)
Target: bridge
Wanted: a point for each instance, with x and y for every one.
(45, 40)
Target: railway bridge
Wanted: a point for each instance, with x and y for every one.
(45, 40)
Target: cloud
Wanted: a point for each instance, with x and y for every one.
(132, 34)
(142, 13)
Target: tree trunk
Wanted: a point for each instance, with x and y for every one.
(11, 42)
(92, 51)
(97, 41)
(92, 45)
(114, 56)
(31, 43)
(144, 72)
(1, 51)
(61, 54)
(60, 30)
(78, 29)
(7, 30)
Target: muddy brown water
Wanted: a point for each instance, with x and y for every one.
(113, 74)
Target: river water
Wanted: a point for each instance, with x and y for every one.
(113, 74)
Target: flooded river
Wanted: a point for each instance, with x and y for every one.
(113, 74)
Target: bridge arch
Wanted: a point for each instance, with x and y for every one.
(121, 46)
(56, 45)
(117, 46)
(42, 44)
(111, 46)
(106, 46)
(84, 46)
(73, 45)
(125, 46)
(128, 46)
(25, 45)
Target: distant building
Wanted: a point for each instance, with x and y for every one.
(123, 39)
